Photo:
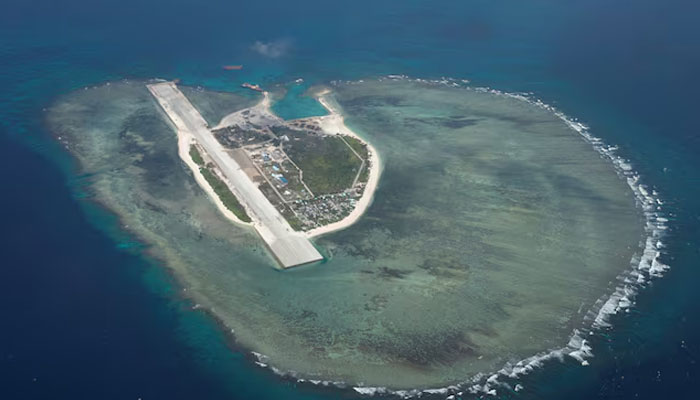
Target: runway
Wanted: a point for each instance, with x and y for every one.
(289, 247)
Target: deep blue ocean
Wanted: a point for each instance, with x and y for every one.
(85, 315)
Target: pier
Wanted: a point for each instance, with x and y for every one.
(290, 248)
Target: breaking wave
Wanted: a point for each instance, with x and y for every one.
(643, 268)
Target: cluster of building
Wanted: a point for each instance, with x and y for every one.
(283, 181)
(280, 172)
(325, 209)
(286, 179)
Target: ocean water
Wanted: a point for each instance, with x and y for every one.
(295, 103)
(88, 314)
(530, 228)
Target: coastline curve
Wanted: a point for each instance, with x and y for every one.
(648, 263)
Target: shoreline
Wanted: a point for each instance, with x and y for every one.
(184, 140)
(229, 119)
(360, 389)
(334, 123)
(289, 248)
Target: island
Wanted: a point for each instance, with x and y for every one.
(494, 232)
(290, 180)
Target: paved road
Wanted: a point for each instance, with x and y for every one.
(289, 247)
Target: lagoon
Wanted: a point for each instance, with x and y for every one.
(495, 230)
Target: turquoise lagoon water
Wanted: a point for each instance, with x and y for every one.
(495, 229)
(93, 307)
(297, 103)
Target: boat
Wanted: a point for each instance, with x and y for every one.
(253, 87)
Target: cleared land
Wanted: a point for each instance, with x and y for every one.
(316, 178)
(289, 247)
(329, 164)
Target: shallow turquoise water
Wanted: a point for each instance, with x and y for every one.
(529, 227)
(634, 86)
(296, 103)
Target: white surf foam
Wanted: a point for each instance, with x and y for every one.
(643, 268)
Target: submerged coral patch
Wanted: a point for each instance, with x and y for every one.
(496, 231)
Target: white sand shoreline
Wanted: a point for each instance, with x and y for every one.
(289, 247)
(184, 141)
(334, 123)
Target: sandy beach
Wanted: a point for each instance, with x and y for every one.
(289, 247)
(223, 267)
(184, 141)
(334, 124)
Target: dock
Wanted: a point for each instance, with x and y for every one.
(290, 248)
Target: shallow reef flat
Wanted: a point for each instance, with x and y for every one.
(494, 229)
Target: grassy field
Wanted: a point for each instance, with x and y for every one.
(328, 163)
(224, 193)
(358, 146)
(362, 150)
(364, 175)
(196, 157)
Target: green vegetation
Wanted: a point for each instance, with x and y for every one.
(280, 130)
(362, 150)
(358, 146)
(196, 157)
(328, 163)
(364, 174)
(294, 222)
(294, 184)
(224, 193)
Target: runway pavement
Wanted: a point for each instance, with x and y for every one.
(289, 247)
